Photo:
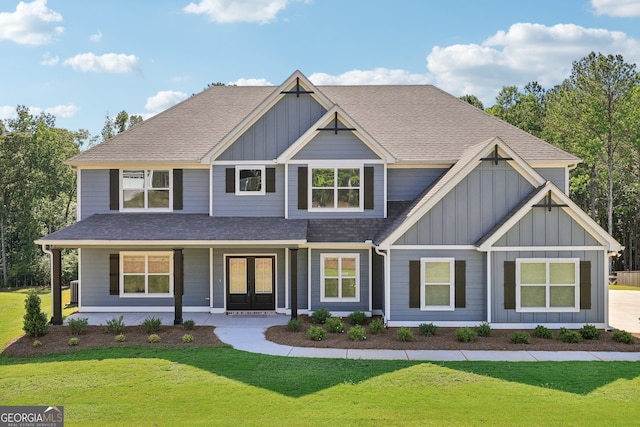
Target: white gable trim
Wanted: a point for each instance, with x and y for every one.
(571, 209)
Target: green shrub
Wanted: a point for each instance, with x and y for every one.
(316, 333)
(120, 338)
(294, 325)
(483, 329)
(623, 337)
(320, 315)
(376, 326)
(73, 341)
(35, 321)
(520, 338)
(465, 334)
(335, 325)
(153, 338)
(569, 336)
(357, 318)
(542, 332)
(404, 334)
(590, 332)
(189, 325)
(152, 324)
(187, 338)
(36, 343)
(115, 325)
(76, 326)
(427, 329)
(357, 333)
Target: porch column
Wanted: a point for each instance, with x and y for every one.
(56, 285)
(178, 285)
(294, 283)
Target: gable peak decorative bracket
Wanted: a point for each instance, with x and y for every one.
(495, 156)
(335, 127)
(549, 203)
(297, 89)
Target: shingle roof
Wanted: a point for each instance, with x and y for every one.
(414, 123)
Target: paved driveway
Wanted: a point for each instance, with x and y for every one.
(624, 310)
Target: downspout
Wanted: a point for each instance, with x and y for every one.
(387, 281)
(47, 251)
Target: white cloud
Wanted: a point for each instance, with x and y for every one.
(108, 63)
(617, 8)
(526, 52)
(163, 100)
(229, 11)
(96, 37)
(49, 60)
(59, 111)
(7, 112)
(31, 23)
(378, 76)
(252, 82)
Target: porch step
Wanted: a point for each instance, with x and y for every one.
(250, 313)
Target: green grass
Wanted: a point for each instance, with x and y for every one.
(221, 386)
(623, 288)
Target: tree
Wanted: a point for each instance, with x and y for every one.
(473, 100)
(35, 321)
(119, 124)
(524, 110)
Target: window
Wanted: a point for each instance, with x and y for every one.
(340, 277)
(250, 180)
(437, 283)
(146, 189)
(550, 285)
(336, 188)
(146, 274)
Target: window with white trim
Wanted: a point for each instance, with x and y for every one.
(437, 284)
(339, 277)
(548, 284)
(146, 189)
(146, 274)
(250, 180)
(335, 188)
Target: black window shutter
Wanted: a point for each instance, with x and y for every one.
(114, 274)
(368, 187)
(114, 189)
(510, 285)
(585, 285)
(270, 178)
(177, 189)
(302, 187)
(460, 284)
(231, 180)
(414, 284)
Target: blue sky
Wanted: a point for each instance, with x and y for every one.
(80, 60)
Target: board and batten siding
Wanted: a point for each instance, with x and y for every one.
(556, 175)
(475, 295)
(407, 183)
(329, 146)
(476, 204)
(94, 192)
(276, 130)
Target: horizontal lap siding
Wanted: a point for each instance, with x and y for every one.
(94, 192)
(476, 297)
(195, 191)
(555, 175)
(407, 184)
(303, 278)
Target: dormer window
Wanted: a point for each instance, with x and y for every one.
(146, 189)
(336, 188)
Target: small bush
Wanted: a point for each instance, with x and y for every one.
(623, 337)
(427, 329)
(153, 338)
(569, 336)
(404, 334)
(320, 315)
(590, 332)
(520, 338)
(73, 341)
(152, 324)
(376, 326)
(187, 338)
(335, 325)
(357, 318)
(542, 332)
(316, 333)
(120, 338)
(465, 334)
(115, 325)
(76, 326)
(189, 325)
(35, 322)
(36, 343)
(357, 333)
(294, 325)
(483, 329)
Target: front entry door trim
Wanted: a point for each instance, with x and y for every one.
(250, 282)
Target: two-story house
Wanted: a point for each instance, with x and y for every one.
(401, 201)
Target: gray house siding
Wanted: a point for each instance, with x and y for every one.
(363, 304)
(476, 296)
(555, 175)
(303, 278)
(94, 192)
(471, 209)
(329, 146)
(195, 191)
(196, 278)
(407, 184)
(230, 204)
(276, 130)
